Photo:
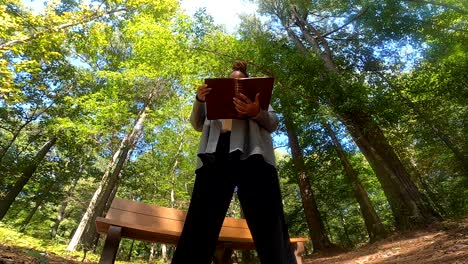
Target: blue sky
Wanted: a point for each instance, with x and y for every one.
(224, 12)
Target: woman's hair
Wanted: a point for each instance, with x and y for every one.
(240, 66)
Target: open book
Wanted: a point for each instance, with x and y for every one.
(219, 102)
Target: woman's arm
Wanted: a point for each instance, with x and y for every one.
(267, 119)
(198, 115)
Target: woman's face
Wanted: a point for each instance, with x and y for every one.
(237, 74)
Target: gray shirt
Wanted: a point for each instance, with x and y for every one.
(250, 136)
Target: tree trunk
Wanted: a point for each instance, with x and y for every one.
(110, 199)
(109, 180)
(348, 242)
(325, 221)
(28, 172)
(63, 207)
(172, 171)
(86, 217)
(422, 183)
(152, 252)
(318, 234)
(129, 256)
(407, 203)
(26, 221)
(164, 252)
(374, 226)
(35, 114)
(90, 236)
(4, 150)
(96, 201)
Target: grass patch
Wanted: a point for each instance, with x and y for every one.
(28, 249)
(40, 249)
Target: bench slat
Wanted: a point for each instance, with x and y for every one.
(142, 208)
(163, 212)
(138, 232)
(148, 222)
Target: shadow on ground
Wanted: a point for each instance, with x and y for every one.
(22, 255)
(445, 242)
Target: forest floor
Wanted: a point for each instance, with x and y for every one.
(441, 243)
(445, 242)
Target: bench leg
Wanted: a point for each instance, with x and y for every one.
(111, 245)
(298, 251)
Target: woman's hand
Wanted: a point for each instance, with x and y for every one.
(245, 106)
(202, 91)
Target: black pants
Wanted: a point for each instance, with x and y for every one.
(260, 197)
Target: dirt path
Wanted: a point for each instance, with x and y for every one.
(441, 243)
(20, 255)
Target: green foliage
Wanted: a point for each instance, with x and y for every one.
(84, 71)
(411, 40)
(35, 246)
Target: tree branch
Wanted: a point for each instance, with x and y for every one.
(96, 15)
(315, 41)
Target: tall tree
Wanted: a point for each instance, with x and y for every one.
(317, 231)
(375, 228)
(408, 206)
(27, 173)
(123, 153)
(111, 175)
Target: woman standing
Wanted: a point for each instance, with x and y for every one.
(235, 153)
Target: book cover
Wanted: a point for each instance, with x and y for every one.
(219, 102)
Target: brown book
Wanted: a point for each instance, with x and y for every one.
(219, 102)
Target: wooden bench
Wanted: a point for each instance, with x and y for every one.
(139, 221)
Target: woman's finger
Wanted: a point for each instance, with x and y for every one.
(245, 98)
(239, 105)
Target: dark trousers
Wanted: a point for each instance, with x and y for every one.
(260, 197)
